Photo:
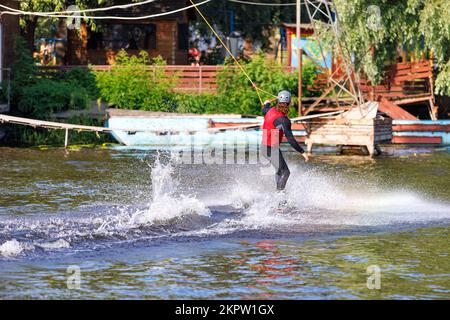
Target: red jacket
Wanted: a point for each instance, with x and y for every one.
(272, 135)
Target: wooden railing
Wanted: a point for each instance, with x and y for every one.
(404, 83)
(190, 79)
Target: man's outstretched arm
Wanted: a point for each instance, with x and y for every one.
(284, 124)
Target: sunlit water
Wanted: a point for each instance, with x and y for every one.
(139, 224)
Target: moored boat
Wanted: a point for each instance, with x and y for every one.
(145, 128)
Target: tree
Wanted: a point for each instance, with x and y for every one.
(421, 24)
(30, 23)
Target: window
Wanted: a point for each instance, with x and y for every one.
(95, 39)
(183, 36)
(123, 36)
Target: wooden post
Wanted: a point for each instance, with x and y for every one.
(289, 46)
(300, 82)
(66, 139)
(299, 57)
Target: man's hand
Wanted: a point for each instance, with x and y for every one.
(305, 156)
(267, 102)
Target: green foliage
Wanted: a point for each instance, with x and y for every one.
(84, 79)
(23, 70)
(3, 92)
(201, 103)
(39, 97)
(236, 89)
(48, 96)
(443, 81)
(406, 22)
(133, 84)
(236, 94)
(26, 136)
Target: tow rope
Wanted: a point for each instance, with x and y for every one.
(254, 86)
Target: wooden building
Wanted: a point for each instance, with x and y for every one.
(9, 29)
(167, 36)
(306, 30)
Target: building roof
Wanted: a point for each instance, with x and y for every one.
(304, 26)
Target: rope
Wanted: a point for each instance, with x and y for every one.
(123, 6)
(39, 14)
(264, 3)
(272, 4)
(232, 56)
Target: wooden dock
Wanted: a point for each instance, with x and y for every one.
(360, 127)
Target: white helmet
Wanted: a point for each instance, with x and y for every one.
(284, 97)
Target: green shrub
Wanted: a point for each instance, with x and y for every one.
(267, 75)
(131, 84)
(23, 70)
(199, 103)
(83, 78)
(3, 92)
(39, 97)
(49, 96)
(235, 94)
(27, 136)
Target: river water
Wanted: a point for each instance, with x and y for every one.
(136, 223)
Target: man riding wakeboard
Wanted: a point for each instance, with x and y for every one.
(276, 124)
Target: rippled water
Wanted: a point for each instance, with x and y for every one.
(139, 224)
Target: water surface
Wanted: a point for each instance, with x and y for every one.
(141, 225)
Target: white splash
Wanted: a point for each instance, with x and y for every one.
(314, 198)
(166, 204)
(58, 244)
(11, 248)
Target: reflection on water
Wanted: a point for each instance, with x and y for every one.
(187, 231)
(413, 265)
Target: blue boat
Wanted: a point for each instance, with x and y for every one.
(161, 129)
(144, 128)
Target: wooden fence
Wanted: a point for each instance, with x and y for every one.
(403, 84)
(190, 79)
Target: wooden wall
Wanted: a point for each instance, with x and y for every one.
(166, 45)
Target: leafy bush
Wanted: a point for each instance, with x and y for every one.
(242, 98)
(26, 136)
(83, 78)
(202, 103)
(38, 97)
(48, 96)
(23, 70)
(235, 94)
(3, 92)
(131, 84)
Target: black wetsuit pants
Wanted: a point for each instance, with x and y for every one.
(276, 158)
